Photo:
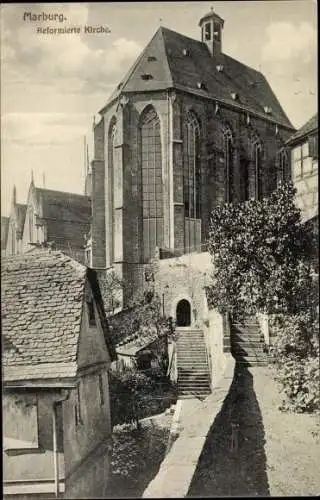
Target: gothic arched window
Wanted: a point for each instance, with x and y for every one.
(114, 194)
(228, 152)
(191, 168)
(152, 183)
(257, 163)
(282, 169)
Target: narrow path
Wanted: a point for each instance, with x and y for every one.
(277, 453)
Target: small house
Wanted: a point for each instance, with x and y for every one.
(55, 361)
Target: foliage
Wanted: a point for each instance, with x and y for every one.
(260, 251)
(136, 456)
(296, 353)
(113, 295)
(143, 315)
(135, 395)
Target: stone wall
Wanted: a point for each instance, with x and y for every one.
(172, 108)
(184, 277)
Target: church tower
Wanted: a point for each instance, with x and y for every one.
(211, 32)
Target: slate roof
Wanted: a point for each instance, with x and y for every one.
(308, 128)
(67, 217)
(164, 60)
(42, 297)
(21, 211)
(4, 231)
(132, 345)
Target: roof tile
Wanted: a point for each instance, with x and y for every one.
(41, 324)
(173, 69)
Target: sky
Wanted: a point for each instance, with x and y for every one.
(52, 86)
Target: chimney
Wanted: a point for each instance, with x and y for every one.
(211, 32)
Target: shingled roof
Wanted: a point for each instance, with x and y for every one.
(42, 299)
(21, 211)
(164, 61)
(310, 127)
(67, 216)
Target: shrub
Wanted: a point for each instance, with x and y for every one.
(296, 353)
(135, 395)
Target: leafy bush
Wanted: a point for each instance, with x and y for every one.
(296, 353)
(136, 457)
(135, 395)
(261, 256)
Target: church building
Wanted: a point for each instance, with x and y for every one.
(186, 129)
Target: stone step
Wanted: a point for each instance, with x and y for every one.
(190, 347)
(191, 395)
(189, 365)
(193, 388)
(248, 350)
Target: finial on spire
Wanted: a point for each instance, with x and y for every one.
(43, 180)
(14, 195)
(211, 8)
(94, 122)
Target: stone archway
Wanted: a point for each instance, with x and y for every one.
(183, 313)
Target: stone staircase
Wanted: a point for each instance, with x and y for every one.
(192, 364)
(247, 343)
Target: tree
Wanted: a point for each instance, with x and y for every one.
(261, 256)
(143, 316)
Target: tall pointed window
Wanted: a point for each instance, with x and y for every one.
(192, 183)
(191, 168)
(282, 170)
(111, 167)
(114, 195)
(228, 152)
(257, 162)
(152, 183)
(244, 176)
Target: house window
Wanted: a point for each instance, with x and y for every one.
(228, 151)
(101, 391)
(77, 408)
(20, 421)
(257, 161)
(300, 161)
(191, 168)
(207, 31)
(313, 146)
(152, 183)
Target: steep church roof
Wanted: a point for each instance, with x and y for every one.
(21, 211)
(172, 60)
(308, 128)
(67, 216)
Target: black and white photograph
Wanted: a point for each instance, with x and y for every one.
(159, 249)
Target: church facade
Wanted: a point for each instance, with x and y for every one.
(187, 129)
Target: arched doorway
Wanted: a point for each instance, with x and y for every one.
(183, 314)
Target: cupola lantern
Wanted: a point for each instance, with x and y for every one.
(211, 32)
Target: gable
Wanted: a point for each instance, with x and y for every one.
(92, 347)
(172, 60)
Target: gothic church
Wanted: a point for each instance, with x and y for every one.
(187, 128)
